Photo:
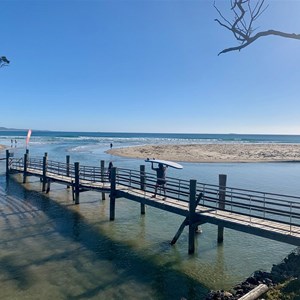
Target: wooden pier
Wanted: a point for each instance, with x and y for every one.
(268, 215)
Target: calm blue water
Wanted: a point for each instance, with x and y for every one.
(50, 246)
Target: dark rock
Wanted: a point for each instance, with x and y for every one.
(258, 275)
(289, 268)
(246, 285)
(237, 287)
(268, 281)
(252, 280)
(240, 292)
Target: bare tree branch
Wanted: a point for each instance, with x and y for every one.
(261, 34)
(244, 15)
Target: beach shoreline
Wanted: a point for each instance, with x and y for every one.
(214, 153)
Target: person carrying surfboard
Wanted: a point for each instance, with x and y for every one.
(161, 178)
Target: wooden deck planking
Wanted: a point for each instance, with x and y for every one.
(256, 222)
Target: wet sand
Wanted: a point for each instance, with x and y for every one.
(214, 152)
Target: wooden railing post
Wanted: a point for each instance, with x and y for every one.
(102, 172)
(25, 166)
(76, 187)
(112, 194)
(7, 162)
(192, 209)
(222, 193)
(68, 168)
(44, 178)
(143, 181)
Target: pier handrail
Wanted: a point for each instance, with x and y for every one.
(268, 206)
(247, 202)
(15, 162)
(60, 168)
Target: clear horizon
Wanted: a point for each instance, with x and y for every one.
(148, 66)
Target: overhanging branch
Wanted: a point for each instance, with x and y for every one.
(262, 34)
(245, 12)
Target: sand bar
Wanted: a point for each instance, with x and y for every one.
(214, 152)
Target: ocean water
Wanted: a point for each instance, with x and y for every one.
(52, 249)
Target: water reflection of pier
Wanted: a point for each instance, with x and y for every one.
(268, 215)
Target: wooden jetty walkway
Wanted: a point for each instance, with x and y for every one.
(268, 215)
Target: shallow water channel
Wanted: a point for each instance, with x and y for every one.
(53, 249)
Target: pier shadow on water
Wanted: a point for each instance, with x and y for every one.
(49, 251)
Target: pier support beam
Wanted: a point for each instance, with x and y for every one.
(222, 192)
(44, 178)
(112, 205)
(102, 170)
(192, 208)
(180, 230)
(143, 180)
(76, 187)
(25, 166)
(186, 222)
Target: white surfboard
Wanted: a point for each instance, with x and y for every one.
(165, 162)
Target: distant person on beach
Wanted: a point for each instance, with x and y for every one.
(111, 145)
(110, 166)
(11, 143)
(161, 178)
(15, 143)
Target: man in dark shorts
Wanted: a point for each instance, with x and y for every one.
(161, 178)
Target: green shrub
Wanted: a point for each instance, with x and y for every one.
(292, 287)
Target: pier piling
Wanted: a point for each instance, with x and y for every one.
(68, 168)
(222, 189)
(25, 166)
(76, 187)
(192, 209)
(143, 180)
(44, 178)
(112, 205)
(102, 171)
(7, 162)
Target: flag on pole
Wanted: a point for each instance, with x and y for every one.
(28, 137)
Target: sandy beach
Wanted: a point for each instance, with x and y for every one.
(214, 152)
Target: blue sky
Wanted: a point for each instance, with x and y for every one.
(146, 66)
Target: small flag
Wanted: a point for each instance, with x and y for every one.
(28, 137)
